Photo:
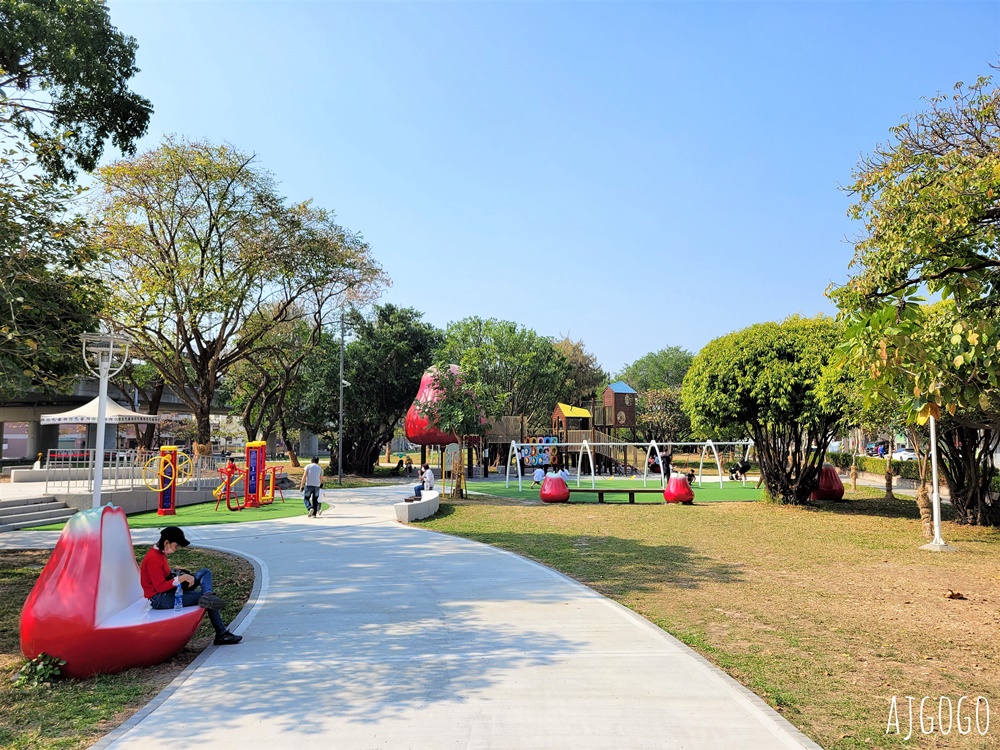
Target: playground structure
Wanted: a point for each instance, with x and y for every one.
(87, 606)
(520, 454)
(259, 480)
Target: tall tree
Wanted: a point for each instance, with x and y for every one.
(765, 379)
(64, 74)
(514, 368)
(585, 374)
(47, 299)
(660, 416)
(661, 369)
(199, 245)
(388, 353)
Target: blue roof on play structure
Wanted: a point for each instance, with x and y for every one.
(620, 386)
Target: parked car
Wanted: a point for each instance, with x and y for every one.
(905, 454)
(872, 448)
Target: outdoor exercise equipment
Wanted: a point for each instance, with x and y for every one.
(87, 607)
(830, 486)
(260, 481)
(163, 473)
(231, 476)
(554, 489)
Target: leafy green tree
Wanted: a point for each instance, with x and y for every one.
(47, 299)
(665, 368)
(512, 368)
(585, 374)
(64, 74)
(383, 363)
(660, 417)
(765, 379)
(458, 410)
(207, 260)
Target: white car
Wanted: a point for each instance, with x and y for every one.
(905, 454)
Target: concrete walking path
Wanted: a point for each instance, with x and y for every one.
(365, 633)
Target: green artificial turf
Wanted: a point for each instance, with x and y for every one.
(204, 514)
(708, 492)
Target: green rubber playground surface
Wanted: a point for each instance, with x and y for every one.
(205, 514)
(709, 492)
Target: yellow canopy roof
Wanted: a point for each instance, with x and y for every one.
(573, 411)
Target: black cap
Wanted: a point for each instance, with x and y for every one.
(173, 534)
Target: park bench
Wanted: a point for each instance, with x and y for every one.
(425, 507)
(601, 492)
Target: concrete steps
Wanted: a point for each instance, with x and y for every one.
(21, 513)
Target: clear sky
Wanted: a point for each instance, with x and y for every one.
(633, 174)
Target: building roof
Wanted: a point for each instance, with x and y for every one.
(573, 411)
(620, 386)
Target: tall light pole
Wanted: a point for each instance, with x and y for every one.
(340, 422)
(938, 545)
(100, 353)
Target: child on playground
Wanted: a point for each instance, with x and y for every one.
(537, 477)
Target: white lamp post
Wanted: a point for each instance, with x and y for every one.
(105, 355)
(938, 545)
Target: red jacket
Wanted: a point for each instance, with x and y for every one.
(154, 573)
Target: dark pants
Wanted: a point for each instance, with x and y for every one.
(202, 585)
(311, 498)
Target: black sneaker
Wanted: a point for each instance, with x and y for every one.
(227, 639)
(211, 601)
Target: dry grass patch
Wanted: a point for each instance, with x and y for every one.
(76, 713)
(825, 613)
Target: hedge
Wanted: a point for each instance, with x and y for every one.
(905, 469)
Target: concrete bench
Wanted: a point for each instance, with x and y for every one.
(608, 491)
(425, 507)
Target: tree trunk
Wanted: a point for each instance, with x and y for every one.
(888, 480)
(926, 512)
(967, 455)
(458, 474)
(293, 457)
(854, 477)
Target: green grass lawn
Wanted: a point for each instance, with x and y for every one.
(825, 612)
(708, 493)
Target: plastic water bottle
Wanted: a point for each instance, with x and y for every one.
(178, 599)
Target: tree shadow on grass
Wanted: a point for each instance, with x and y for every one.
(905, 507)
(614, 565)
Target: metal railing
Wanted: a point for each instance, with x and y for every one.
(72, 471)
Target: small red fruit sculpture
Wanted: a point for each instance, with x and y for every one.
(678, 490)
(554, 490)
(830, 486)
(87, 606)
(418, 427)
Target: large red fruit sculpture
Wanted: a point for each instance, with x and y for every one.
(87, 606)
(418, 428)
(554, 490)
(830, 486)
(678, 490)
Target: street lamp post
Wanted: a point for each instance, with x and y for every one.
(101, 352)
(340, 422)
(938, 545)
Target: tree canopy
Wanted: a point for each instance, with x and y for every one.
(766, 379)
(48, 301)
(512, 368)
(64, 75)
(585, 374)
(389, 351)
(200, 246)
(661, 369)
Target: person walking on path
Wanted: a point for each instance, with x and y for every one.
(161, 585)
(312, 481)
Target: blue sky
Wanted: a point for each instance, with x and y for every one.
(632, 174)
